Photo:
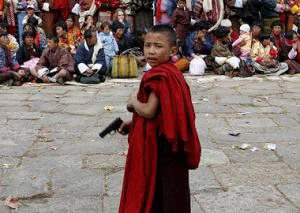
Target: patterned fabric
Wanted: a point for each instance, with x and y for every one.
(279, 41)
(8, 62)
(13, 44)
(11, 20)
(75, 35)
(211, 16)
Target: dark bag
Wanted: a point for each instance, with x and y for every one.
(246, 69)
(94, 79)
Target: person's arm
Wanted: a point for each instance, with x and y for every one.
(238, 42)
(189, 44)
(100, 61)
(146, 110)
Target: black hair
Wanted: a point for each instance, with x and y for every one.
(3, 34)
(72, 16)
(33, 21)
(3, 25)
(201, 25)
(25, 34)
(258, 24)
(32, 27)
(88, 33)
(290, 34)
(104, 24)
(264, 36)
(117, 25)
(54, 38)
(276, 23)
(63, 25)
(167, 30)
(221, 32)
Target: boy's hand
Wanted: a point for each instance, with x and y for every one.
(124, 128)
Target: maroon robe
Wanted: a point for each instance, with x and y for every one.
(174, 121)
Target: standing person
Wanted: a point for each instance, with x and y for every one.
(181, 21)
(30, 13)
(163, 140)
(120, 17)
(109, 42)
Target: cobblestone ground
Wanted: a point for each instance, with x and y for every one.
(52, 159)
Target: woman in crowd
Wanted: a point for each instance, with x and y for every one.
(39, 38)
(120, 17)
(73, 30)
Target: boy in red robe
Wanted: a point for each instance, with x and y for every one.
(163, 140)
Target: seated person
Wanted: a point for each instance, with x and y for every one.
(28, 54)
(124, 42)
(39, 38)
(90, 57)
(198, 42)
(30, 13)
(13, 43)
(109, 42)
(8, 62)
(224, 59)
(265, 55)
(244, 42)
(89, 23)
(65, 39)
(120, 16)
(73, 30)
(55, 65)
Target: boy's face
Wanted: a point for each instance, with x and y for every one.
(60, 31)
(266, 42)
(30, 11)
(277, 30)
(157, 49)
(29, 40)
(106, 29)
(70, 23)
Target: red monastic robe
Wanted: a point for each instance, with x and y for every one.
(175, 120)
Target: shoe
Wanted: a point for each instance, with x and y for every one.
(52, 80)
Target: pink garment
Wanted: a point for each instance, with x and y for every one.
(31, 63)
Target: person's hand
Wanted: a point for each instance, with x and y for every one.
(89, 72)
(124, 128)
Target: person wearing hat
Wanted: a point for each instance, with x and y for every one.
(30, 13)
(244, 41)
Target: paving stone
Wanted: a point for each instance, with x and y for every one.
(63, 204)
(9, 162)
(212, 108)
(237, 99)
(47, 107)
(213, 157)
(195, 207)
(114, 184)
(259, 110)
(90, 110)
(202, 179)
(290, 153)
(25, 183)
(75, 100)
(77, 182)
(15, 97)
(292, 192)
(56, 90)
(255, 174)
(44, 97)
(111, 203)
(240, 199)
(100, 161)
(285, 121)
(251, 122)
(14, 108)
(260, 92)
(22, 115)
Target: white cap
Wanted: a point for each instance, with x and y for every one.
(30, 6)
(245, 28)
(226, 23)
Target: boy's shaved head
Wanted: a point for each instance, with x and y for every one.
(167, 30)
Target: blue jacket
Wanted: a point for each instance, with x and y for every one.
(190, 41)
(110, 44)
(84, 55)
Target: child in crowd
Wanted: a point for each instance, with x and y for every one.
(110, 44)
(181, 21)
(30, 13)
(277, 35)
(28, 54)
(243, 42)
(73, 31)
(163, 143)
(66, 40)
(120, 17)
(39, 37)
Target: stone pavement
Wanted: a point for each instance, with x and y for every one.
(53, 161)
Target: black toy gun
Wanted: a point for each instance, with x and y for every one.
(111, 127)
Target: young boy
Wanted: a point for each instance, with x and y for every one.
(163, 140)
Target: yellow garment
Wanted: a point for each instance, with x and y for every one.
(247, 39)
(295, 9)
(258, 50)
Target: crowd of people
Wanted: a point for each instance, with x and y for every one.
(57, 44)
